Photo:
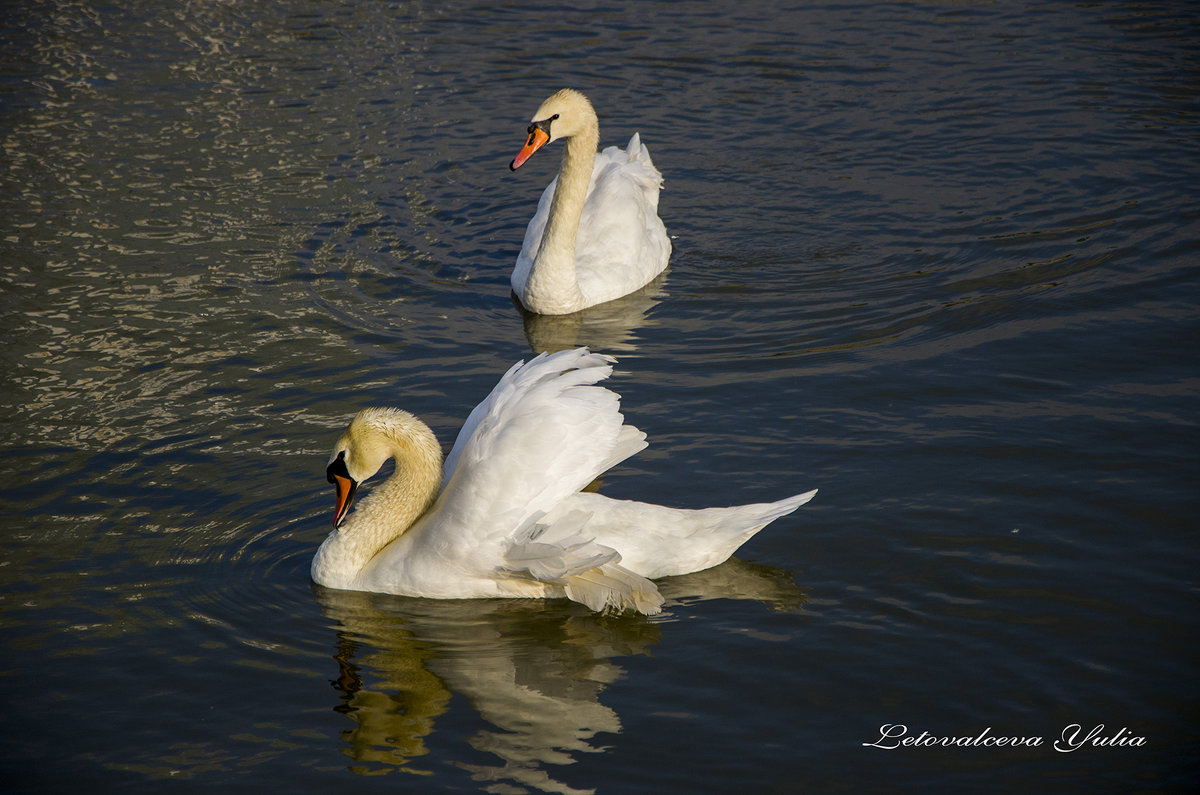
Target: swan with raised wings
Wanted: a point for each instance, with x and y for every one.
(505, 515)
(596, 235)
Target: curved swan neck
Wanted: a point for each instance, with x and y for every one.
(388, 511)
(553, 272)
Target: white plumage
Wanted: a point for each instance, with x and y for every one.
(506, 515)
(596, 234)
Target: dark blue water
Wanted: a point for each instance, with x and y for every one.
(938, 261)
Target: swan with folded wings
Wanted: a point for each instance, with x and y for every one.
(505, 514)
(596, 234)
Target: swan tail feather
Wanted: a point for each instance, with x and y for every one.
(635, 162)
(635, 149)
(740, 523)
(781, 508)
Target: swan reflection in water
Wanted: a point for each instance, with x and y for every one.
(611, 327)
(532, 669)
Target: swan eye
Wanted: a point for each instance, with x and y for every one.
(543, 125)
(338, 467)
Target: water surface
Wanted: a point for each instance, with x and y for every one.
(936, 260)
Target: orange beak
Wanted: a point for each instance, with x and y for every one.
(537, 139)
(344, 489)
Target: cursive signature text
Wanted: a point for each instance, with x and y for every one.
(1073, 737)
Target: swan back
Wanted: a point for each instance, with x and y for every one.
(622, 243)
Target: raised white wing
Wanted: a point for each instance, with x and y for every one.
(544, 432)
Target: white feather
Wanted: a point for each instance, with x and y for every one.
(510, 517)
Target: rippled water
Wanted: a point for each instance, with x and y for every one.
(937, 260)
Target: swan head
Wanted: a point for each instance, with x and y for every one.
(566, 113)
(371, 438)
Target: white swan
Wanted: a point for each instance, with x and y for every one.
(505, 516)
(596, 234)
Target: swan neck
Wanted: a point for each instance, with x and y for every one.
(553, 271)
(385, 514)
